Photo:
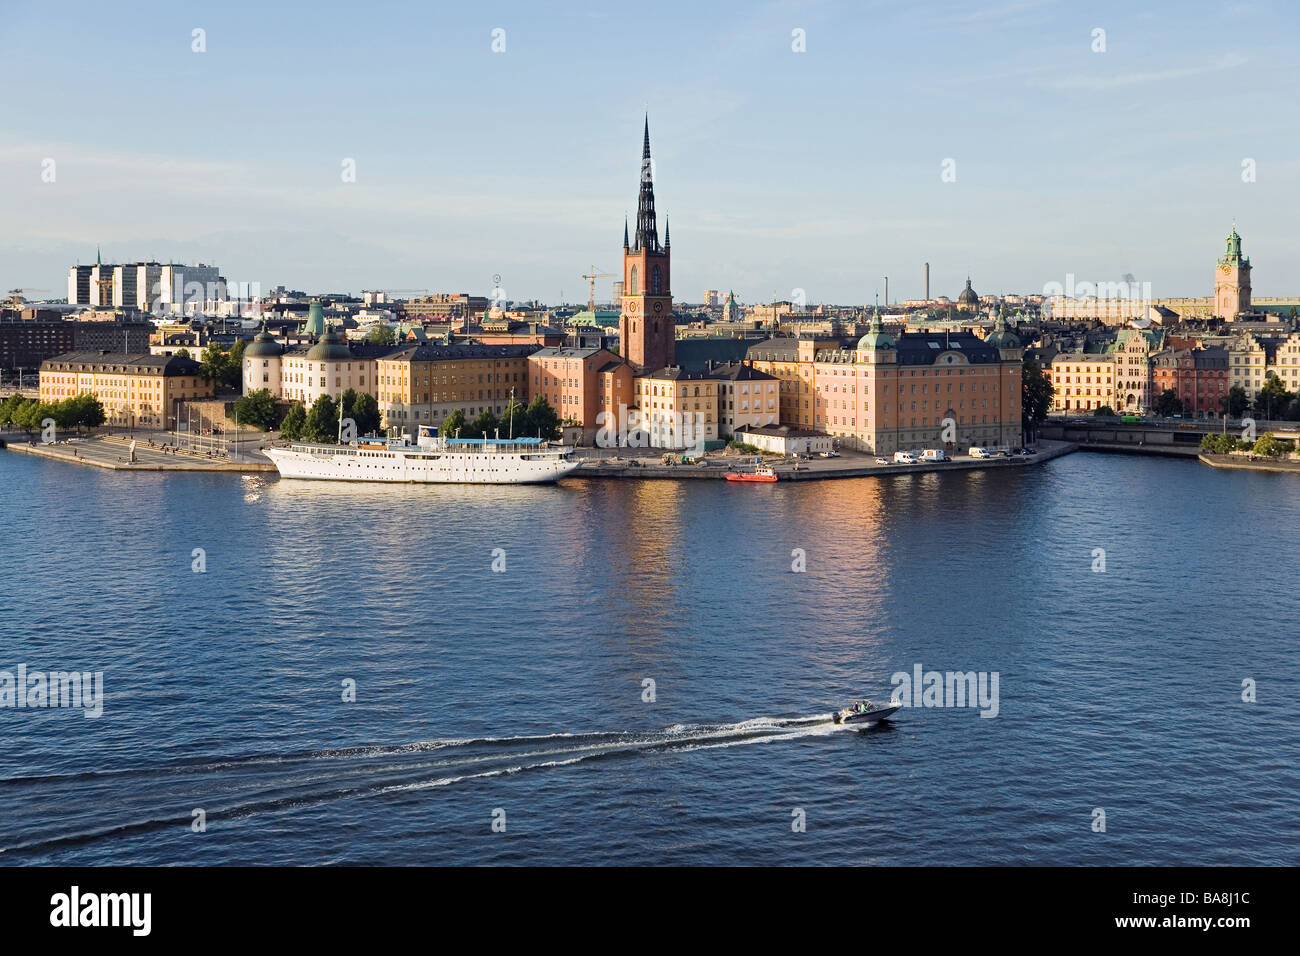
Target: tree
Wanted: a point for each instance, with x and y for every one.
(381, 334)
(8, 407)
(1236, 402)
(212, 366)
(482, 427)
(541, 420)
(1036, 393)
(235, 364)
(1271, 447)
(514, 419)
(183, 353)
(256, 409)
(295, 422)
(322, 421)
(1273, 397)
(84, 410)
(1168, 404)
(1103, 411)
(365, 412)
(452, 425)
(24, 415)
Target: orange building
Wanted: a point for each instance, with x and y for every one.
(591, 387)
(791, 361)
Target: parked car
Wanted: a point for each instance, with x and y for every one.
(881, 460)
(977, 452)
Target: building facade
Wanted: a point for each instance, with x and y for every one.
(135, 389)
(1083, 381)
(422, 385)
(677, 408)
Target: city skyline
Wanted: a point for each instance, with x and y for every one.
(466, 176)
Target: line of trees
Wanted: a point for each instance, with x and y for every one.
(538, 420)
(1266, 445)
(84, 410)
(321, 422)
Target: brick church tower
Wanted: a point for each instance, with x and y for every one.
(647, 336)
(1232, 280)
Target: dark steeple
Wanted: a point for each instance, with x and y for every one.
(625, 244)
(667, 239)
(647, 233)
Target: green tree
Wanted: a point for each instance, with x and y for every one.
(381, 334)
(25, 415)
(1236, 402)
(452, 425)
(214, 363)
(1273, 398)
(484, 426)
(8, 407)
(1104, 411)
(1168, 404)
(1271, 447)
(295, 422)
(183, 353)
(365, 412)
(257, 409)
(514, 419)
(322, 421)
(1036, 393)
(542, 420)
(84, 410)
(234, 373)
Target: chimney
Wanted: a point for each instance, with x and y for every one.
(926, 283)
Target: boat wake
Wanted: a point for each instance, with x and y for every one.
(137, 800)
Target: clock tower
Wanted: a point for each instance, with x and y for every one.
(647, 334)
(1232, 280)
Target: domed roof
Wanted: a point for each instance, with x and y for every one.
(877, 337)
(264, 346)
(968, 296)
(329, 349)
(1001, 337)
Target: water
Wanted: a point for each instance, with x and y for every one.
(522, 691)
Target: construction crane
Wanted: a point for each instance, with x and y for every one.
(592, 276)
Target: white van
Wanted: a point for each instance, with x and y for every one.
(980, 453)
(904, 458)
(934, 454)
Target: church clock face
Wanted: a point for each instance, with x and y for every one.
(631, 306)
(659, 307)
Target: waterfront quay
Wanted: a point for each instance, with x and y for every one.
(849, 465)
(113, 452)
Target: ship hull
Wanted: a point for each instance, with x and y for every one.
(422, 467)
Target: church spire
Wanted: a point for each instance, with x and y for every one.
(647, 233)
(667, 240)
(625, 244)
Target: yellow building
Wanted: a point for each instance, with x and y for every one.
(135, 389)
(790, 361)
(1084, 381)
(677, 408)
(424, 384)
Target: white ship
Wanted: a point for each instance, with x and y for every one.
(430, 460)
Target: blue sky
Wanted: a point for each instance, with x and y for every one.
(818, 170)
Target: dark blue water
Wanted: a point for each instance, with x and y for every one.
(522, 691)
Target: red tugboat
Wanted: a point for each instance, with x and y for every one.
(762, 473)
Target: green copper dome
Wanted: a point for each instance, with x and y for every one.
(264, 346)
(1001, 337)
(877, 337)
(329, 349)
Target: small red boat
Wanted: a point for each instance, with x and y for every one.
(758, 474)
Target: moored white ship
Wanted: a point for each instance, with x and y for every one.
(430, 460)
